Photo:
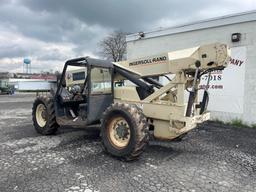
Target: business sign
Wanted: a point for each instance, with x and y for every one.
(153, 60)
(226, 87)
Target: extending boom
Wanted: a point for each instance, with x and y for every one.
(211, 56)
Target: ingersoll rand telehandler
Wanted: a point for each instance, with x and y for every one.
(127, 101)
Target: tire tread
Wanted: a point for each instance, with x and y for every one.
(142, 128)
(51, 126)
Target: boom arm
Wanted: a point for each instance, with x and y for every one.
(171, 116)
(212, 56)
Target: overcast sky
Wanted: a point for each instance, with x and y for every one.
(52, 31)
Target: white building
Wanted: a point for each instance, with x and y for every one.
(31, 84)
(237, 97)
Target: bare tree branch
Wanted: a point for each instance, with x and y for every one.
(113, 47)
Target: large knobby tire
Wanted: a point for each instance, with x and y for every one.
(129, 122)
(43, 116)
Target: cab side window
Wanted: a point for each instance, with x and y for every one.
(100, 80)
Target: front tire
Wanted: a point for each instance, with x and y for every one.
(43, 116)
(124, 131)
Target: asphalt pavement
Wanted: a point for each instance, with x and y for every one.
(213, 157)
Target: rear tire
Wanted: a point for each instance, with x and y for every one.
(124, 131)
(43, 116)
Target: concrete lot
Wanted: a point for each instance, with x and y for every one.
(212, 158)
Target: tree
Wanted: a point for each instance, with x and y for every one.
(113, 47)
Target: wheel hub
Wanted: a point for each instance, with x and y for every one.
(44, 114)
(122, 131)
(119, 132)
(41, 115)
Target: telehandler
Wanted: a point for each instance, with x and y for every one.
(127, 101)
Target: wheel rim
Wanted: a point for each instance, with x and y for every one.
(119, 132)
(41, 115)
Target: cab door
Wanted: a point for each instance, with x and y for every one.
(100, 92)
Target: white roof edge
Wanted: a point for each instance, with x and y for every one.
(202, 24)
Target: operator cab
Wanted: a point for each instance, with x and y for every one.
(82, 96)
